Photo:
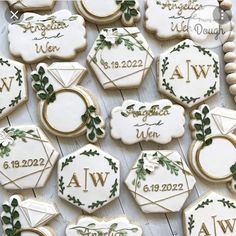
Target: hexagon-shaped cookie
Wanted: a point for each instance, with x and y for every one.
(27, 157)
(189, 73)
(89, 178)
(13, 85)
(160, 181)
(120, 58)
(212, 214)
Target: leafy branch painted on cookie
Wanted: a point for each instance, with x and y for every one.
(180, 47)
(75, 200)
(94, 124)
(97, 204)
(211, 90)
(114, 189)
(18, 76)
(216, 68)
(11, 218)
(90, 153)
(168, 87)
(128, 8)
(189, 99)
(202, 127)
(4, 62)
(191, 222)
(170, 165)
(203, 204)
(112, 164)
(16, 100)
(61, 185)
(2, 109)
(233, 171)
(227, 203)
(44, 89)
(203, 50)
(164, 66)
(67, 162)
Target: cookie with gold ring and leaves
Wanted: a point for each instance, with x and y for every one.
(66, 109)
(212, 154)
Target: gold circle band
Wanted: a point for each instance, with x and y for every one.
(32, 230)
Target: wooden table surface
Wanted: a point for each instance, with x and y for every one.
(152, 224)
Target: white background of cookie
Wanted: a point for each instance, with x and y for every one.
(153, 224)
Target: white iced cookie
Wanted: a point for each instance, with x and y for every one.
(120, 58)
(58, 92)
(189, 73)
(158, 121)
(27, 217)
(89, 178)
(212, 214)
(21, 166)
(100, 12)
(212, 154)
(160, 181)
(13, 86)
(32, 5)
(169, 19)
(47, 36)
(94, 226)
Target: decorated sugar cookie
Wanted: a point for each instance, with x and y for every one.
(31, 5)
(66, 109)
(212, 154)
(100, 12)
(171, 19)
(160, 181)
(27, 217)
(189, 73)
(89, 178)
(120, 58)
(158, 121)
(94, 226)
(212, 214)
(13, 86)
(47, 36)
(26, 157)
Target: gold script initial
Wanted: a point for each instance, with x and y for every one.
(99, 177)
(6, 83)
(74, 182)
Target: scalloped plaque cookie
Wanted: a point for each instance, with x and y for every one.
(158, 121)
(189, 73)
(160, 181)
(94, 226)
(66, 109)
(169, 19)
(212, 214)
(100, 12)
(32, 5)
(120, 58)
(47, 36)
(21, 166)
(13, 86)
(212, 154)
(89, 178)
(27, 217)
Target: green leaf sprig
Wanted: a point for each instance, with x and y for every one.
(128, 8)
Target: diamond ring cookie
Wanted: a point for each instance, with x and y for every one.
(66, 109)
(158, 121)
(100, 12)
(27, 217)
(47, 36)
(160, 181)
(13, 86)
(189, 73)
(212, 154)
(120, 58)
(212, 214)
(21, 166)
(32, 5)
(89, 178)
(95, 226)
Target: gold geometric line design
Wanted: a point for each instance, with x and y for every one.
(151, 202)
(186, 179)
(10, 180)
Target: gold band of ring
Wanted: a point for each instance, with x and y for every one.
(33, 230)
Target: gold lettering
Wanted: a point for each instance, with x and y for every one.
(99, 177)
(46, 48)
(204, 231)
(147, 134)
(6, 82)
(227, 224)
(203, 70)
(74, 182)
(177, 72)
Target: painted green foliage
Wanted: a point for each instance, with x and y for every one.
(202, 126)
(93, 123)
(44, 89)
(227, 203)
(233, 171)
(128, 8)
(191, 222)
(204, 204)
(15, 134)
(11, 218)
